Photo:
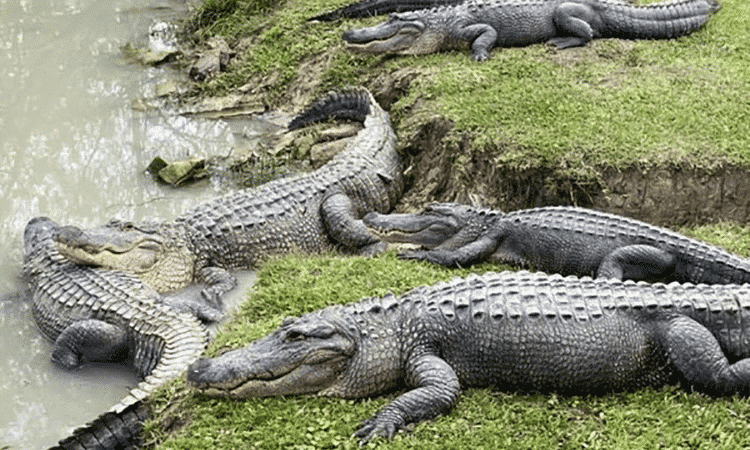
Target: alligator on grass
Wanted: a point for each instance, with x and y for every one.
(315, 212)
(99, 315)
(484, 24)
(511, 331)
(559, 239)
(367, 8)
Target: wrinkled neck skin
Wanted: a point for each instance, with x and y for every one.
(331, 352)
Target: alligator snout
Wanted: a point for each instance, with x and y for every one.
(68, 235)
(196, 369)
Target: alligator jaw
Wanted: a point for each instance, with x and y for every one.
(100, 246)
(421, 229)
(393, 36)
(302, 357)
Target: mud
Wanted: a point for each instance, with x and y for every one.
(666, 196)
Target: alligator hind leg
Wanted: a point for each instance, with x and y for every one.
(573, 22)
(90, 341)
(637, 262)
(698, 357)
(340, 218)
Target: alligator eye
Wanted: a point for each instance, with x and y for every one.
(293, 335)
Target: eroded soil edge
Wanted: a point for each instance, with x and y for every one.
(442, 166)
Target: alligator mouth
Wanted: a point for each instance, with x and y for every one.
(385, 38)
(287, 362)
(394, 227)
(301, 379)
(84, 248)
(202, 375)
(392, 235)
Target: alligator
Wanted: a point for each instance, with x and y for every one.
(366, 8)
(484, 24)
(516, 331)
(100, 315)
(558, 239)
(315, 212)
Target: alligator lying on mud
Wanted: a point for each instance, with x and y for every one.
(484, 24)
(314, 212)
(565, 240)
(512, 331)
(109, 316)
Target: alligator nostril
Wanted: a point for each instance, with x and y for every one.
(196, 369)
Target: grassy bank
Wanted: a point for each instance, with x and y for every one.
(612, 103)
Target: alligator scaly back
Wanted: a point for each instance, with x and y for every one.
(108, 316)
(366, 8)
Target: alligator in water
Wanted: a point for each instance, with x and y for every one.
(484, 24)
(314, 212)
(512, 331)
(99, 315)
(559, 239)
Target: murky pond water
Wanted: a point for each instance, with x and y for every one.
(72, 148)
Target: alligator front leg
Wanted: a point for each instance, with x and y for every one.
(482, 38)
(573, 21)
(90, 341)
(340, 218)
(437, 390)
(698, 357)
(476, 251)
(219, 282)
(637, 262)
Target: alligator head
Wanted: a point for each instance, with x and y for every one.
(304, 355)
(157, 253)
(439, 225)
(403, 34)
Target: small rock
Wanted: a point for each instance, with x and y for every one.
(212, 61)
(180, 172)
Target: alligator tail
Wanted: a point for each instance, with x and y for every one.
(110, 431)
(367, 8)
(663, 20)
(346, 103)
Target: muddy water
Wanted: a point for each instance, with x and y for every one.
(73, 149)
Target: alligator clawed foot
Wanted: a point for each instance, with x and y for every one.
(374, 428)
(212, 298)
